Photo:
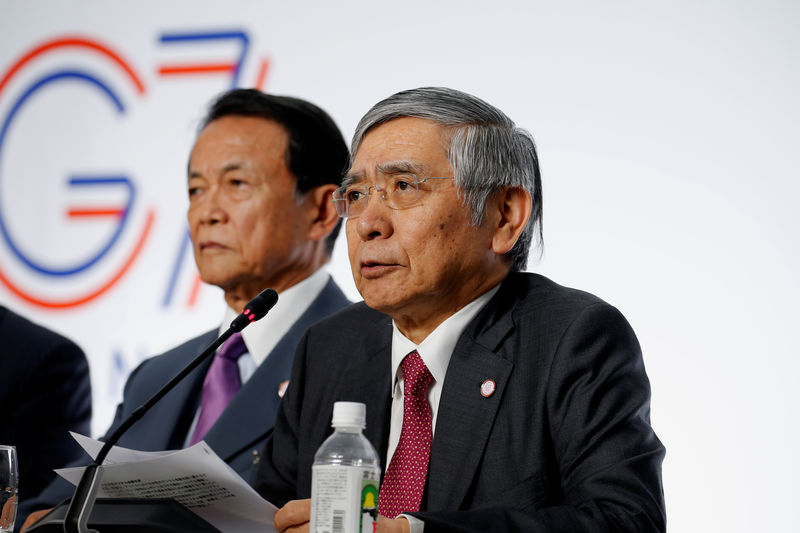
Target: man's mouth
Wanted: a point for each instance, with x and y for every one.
(374, 269)
(208, 246)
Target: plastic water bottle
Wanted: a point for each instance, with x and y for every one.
(345, 476)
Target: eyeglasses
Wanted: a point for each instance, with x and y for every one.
(399, 192)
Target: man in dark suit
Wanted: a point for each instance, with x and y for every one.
(260, 179)
(45, 392)
(497, 400)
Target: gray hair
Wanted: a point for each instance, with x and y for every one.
(486, 151)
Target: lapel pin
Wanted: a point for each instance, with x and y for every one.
(487, 388)
(282, 388)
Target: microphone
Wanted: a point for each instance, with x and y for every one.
(255, 310)
(85, 493)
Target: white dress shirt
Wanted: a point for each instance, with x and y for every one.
(435, 351)
(262, 336)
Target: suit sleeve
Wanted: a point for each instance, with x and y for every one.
(608, 457)
(59, 489)
(124, 408)
(61, 403)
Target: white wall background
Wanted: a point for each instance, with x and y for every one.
(667, 134)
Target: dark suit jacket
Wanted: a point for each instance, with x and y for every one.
(563, 444)
(45, 393)
(238, 435)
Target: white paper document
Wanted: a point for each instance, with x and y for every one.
(194, 476)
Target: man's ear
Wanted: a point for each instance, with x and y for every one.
(512, 208)
(322, 213)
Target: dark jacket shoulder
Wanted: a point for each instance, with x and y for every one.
(17, 331)
(353, 318)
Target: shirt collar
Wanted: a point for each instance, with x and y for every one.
(437, 348)
(262, 336)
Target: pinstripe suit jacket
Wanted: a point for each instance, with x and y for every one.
(46, 392)
(563, 444)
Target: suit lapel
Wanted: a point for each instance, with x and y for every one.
(251, 414)
(177, 407)
(465, 417)
(372, 363)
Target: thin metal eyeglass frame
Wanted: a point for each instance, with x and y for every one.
(341, 204)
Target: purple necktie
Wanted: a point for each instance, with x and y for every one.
(220, 386)
(401, 491)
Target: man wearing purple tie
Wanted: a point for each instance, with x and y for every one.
(260, 179)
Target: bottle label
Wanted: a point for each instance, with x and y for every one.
(344, 499)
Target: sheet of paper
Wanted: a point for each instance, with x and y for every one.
(195, 477)
(117, 454)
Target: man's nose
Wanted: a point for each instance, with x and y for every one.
(375, 220)
(213, 209)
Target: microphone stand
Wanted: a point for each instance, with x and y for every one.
(86, 492)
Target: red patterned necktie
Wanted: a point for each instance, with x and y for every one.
(220, 386)
(401, 491)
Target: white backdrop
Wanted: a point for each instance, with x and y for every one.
(667, 134)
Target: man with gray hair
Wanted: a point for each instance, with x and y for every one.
(496, 399)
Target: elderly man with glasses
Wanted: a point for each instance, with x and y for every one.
(496, 399)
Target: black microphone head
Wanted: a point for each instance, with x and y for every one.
(256, 309)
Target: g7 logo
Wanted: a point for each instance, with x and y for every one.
(104, 257)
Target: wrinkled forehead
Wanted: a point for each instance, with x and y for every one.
(240, 141)
(386, 170)
(402, 145)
